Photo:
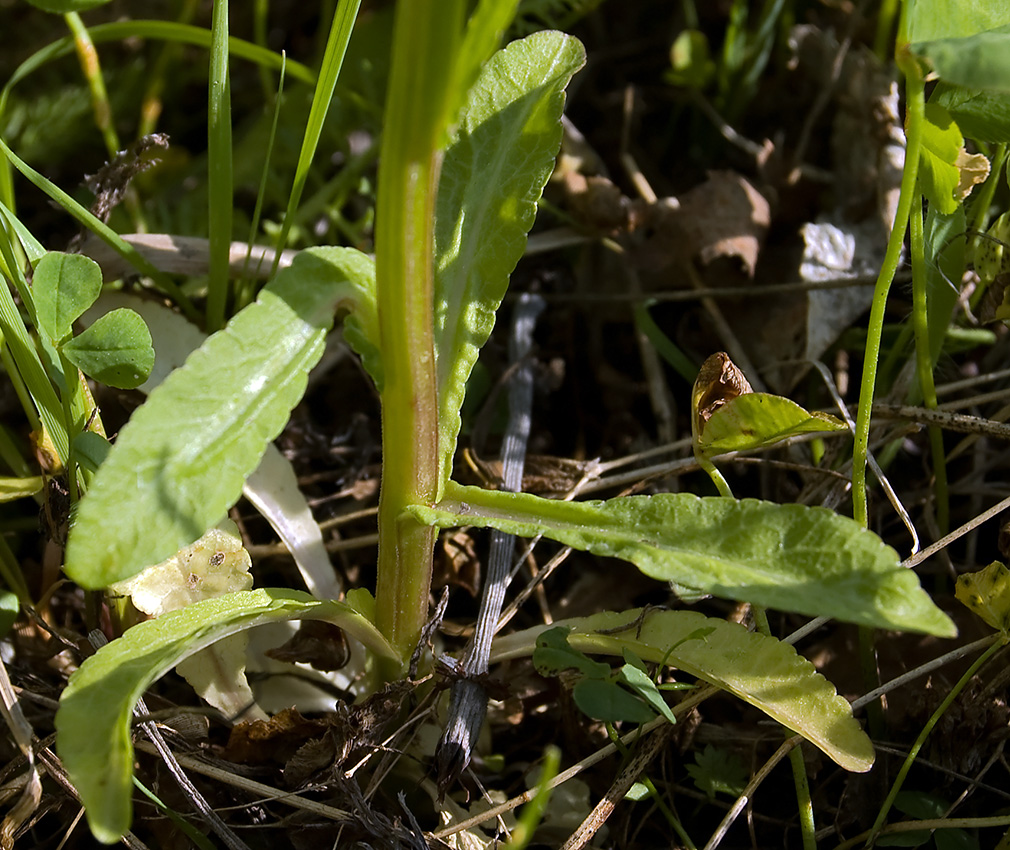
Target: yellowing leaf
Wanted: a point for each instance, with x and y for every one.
(987, 594)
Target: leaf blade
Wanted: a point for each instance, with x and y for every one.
(788, 557)
(181, 460)
(93, 720)
(493, 173)
(763, 671)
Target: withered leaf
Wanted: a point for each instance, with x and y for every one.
(719, 381)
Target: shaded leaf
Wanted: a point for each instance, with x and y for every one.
(116, 350)
(761, 670)
(979, 61)
(493, 173)
(63, 7)
(640, 682)
(93, 720)
(606, 700)
(181, 460)
(553, 655)
(981, 115)
(717, 771)
(790, 557)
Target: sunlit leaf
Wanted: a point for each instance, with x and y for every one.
(753, 420)
(986, 593)
(116, 350)
(761, 670)
(181, 460)
(493, 173)
(93, 721)
(64, 286)
(790, 557)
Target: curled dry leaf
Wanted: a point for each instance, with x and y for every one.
(719, 381)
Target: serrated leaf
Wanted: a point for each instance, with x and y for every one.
(716, 770)
(752, 420)
(64, 286)
(986, 593)
(93, 720)
(181, 460)
(790, 557)
(938, 173)
(493, 173)
(116, 350)
(761, 670)
(979, 61)
(604, 699)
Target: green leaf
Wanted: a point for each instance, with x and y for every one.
(941, 142)
(981, 115)
(553, 655)
(934, 19)
(690, 60)
(181, 460)
(790, 557)
(945, 258)
(752, 420)
(93, 720)
(604, 699)
(717, 770)
(979, 61)
(63, 7)
(10, 607)
(116, 350)
(65, 285)
(761, 670)
(493, 173)
(641, 684)
(91, 450)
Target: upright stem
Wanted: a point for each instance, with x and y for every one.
(914, 117)
(425, 42)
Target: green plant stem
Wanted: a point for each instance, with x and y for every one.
(717, 477)
(219, 168)
(914, 117)
(150, 106)
(533, 811)
(88, 57)
(998, 643)
(924, 361)
(425, 42)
